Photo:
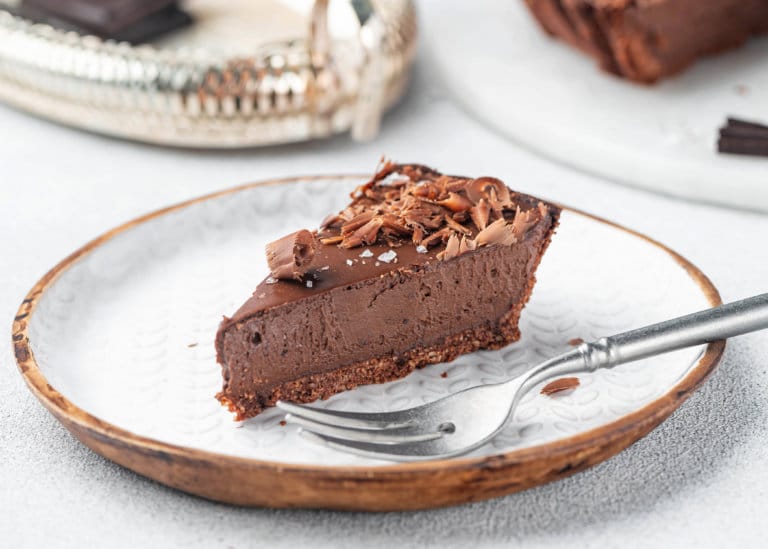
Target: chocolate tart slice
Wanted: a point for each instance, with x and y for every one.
(418, 269)
(645, 40)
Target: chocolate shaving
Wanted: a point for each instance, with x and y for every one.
(451, 248)
(498, 232)
(367, 234)
(560, 385)
(357, 222)
(743, 137)
(455, 202)
(332, 240)
(456, 226)
(436, 238)
(524, 221)
(466, 245)
(480, 213)
(289, 257)
(411, 202)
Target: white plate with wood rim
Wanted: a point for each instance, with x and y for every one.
(117, 342)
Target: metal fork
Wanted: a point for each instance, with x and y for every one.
(459, 423)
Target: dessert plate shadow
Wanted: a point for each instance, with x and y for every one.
(117, 342)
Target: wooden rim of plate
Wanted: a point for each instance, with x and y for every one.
(404, 486)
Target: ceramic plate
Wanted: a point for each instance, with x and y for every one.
(117, 341)
(553, 99)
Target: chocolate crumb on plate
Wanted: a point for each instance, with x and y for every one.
(560, 385)
(575, 342)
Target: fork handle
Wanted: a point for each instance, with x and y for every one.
(732, 319)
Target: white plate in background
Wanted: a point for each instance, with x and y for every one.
(499, 65)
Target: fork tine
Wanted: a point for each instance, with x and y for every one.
(412, 451)
(384, 436)
(369, 421)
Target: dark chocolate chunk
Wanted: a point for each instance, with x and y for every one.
(744, 124)
(748, 147)
(743, 137)
(149, 28)
(163, 22)
(102, 16)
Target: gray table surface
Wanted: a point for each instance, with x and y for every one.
(700, 480)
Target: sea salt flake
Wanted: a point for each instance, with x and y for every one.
(421, 249)
(270, 280)
(349, 262)
(388, 256)
(325, 268)
(376, 264)
(392, 178)
(366, 253)
(309, 283)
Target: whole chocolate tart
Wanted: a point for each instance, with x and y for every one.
(645, 40)
(418, 269)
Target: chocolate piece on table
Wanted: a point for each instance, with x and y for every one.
(747, 147)
(289, 257)
(652, 39)
(418, 269)
(745, 124)
(153, 26)
(743, 137)
(102, 16)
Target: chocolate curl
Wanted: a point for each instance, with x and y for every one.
(289, 257)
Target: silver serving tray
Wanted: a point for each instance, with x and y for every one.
(247, 73)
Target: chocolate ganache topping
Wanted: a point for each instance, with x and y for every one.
(415, 204)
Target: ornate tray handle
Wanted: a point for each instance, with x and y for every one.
(286, 91)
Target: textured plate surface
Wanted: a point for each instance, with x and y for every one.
(121, 334)
(555, 100)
